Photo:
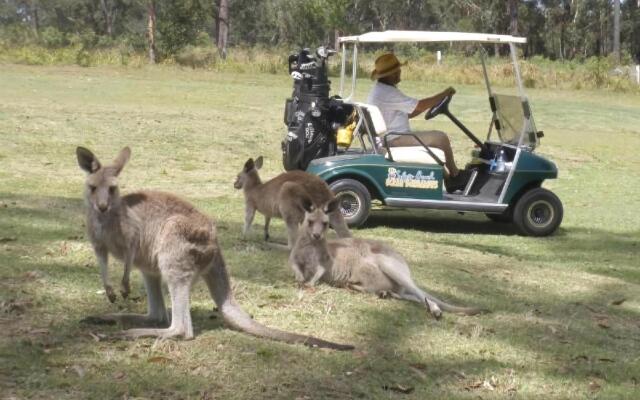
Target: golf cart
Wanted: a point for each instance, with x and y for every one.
(505, 176)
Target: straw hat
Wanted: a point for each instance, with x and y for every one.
(387, 64)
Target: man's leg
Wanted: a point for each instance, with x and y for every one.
(435, 139)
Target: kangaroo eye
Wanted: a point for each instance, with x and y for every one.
(310, 223)
(92, 188)
(112, 189)
(325, 224)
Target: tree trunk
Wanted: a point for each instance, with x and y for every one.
(151, 30)
(512, 9)
(222, 27)
(109, 17)
(616, 31)
(35, 19)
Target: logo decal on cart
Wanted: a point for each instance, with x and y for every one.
(401, 179)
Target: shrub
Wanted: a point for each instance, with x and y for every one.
(197, 57)
(52, 38)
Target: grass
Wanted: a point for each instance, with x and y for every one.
(554, 332)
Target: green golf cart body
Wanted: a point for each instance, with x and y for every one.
(506, 176)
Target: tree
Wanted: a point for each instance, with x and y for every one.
(222, 27)
(512, 11)
(616, 30)
(109, 13)
(151, 30)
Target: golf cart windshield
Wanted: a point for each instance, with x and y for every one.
(513, 121)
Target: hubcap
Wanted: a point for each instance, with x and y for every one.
(349, 203)
(540, 213)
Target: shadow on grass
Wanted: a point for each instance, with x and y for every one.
(437, 222)
(602, 252)
(546, 325)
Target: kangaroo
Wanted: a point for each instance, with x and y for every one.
(169, 240)
(360, 264)
(280, 197)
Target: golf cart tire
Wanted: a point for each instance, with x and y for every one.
(504, 218)
(354, 201)
(538, 213)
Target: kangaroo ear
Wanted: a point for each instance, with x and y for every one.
(331, 206)
(87, 160)
(259, 162)
(122, 159)
(306, 204)
(249, 165)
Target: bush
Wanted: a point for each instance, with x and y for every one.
(83, 58)
(52, 38)
(197, 57)
(598, 70)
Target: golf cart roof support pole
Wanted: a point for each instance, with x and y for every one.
(483, 60)
(516, 70)
(354, 71)
(483, 52)
(343, 67)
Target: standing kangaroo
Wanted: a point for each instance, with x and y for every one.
(280, 197)
(359, 264)
(167, 239)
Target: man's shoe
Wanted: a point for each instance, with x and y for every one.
(458, 182)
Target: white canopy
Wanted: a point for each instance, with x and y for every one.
(425, 36)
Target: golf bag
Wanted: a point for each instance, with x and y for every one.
(307, 113)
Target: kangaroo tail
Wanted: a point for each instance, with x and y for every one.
(217, 279)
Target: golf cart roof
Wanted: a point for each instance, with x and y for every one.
(426, 36)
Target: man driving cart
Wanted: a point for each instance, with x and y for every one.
(396, 109)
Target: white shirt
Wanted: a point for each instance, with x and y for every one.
(394, 106)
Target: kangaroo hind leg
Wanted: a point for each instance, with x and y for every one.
(398, 271)
(179, 273)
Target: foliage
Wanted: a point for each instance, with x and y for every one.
(556, 29)
(180, 23)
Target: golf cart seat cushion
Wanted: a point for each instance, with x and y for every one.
(376, 118)
(415, 154)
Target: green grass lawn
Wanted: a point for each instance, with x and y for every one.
(555, 331)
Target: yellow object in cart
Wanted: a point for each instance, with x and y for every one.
(344, 137)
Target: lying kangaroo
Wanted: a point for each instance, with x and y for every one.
(359, 264)
(280, 197)
(167, 239)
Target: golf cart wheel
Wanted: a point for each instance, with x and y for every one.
(354, 201)
(504, 218)
(538, 213)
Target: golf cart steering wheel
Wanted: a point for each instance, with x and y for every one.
(438, 108)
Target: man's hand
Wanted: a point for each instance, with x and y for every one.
(433, 101)
(449, 91)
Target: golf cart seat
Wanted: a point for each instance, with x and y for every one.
(409, 154)
(415, 154)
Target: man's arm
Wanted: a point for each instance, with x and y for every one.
(428, 102)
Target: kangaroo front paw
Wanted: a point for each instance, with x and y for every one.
(111, 294)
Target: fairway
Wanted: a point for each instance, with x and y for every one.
(566, 308)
